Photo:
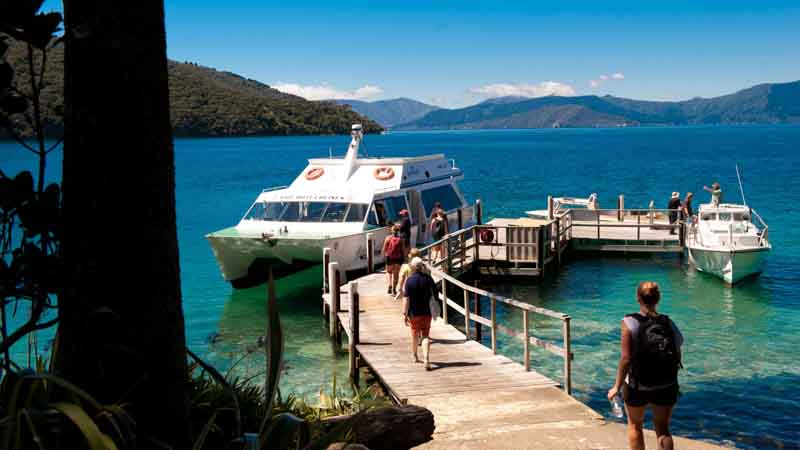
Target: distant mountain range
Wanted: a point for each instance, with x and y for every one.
(390, 112)
(208, 102)
(764, 103)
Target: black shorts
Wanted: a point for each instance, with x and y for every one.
(667, 396)
(394, 261)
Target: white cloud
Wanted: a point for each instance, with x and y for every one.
(603, 78)
(524, 89)
(325, 91)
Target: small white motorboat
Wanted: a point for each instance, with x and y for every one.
(725, 241)
(334, 203)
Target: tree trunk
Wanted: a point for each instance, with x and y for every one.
(121, 333)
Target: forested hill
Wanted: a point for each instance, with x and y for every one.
(208, 102)
(765, 103)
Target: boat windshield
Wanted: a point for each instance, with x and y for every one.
(307, 212)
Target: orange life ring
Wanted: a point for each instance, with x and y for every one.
(487, 236)
(314, 173)
(384, 173)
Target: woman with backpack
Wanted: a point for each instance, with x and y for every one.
(647, 373)
(394, 251)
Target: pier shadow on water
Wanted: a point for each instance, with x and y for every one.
(310, 359)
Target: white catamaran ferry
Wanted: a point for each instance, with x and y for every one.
(725, 242)
(334, 203)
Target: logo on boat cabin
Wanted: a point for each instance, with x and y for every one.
(312, 198)
(314, 173)
(384, 173)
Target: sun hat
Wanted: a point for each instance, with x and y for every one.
(416, 263)
(676, 195)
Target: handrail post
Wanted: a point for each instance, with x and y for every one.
(354, 331)
(335, 289)
(567, 357)
(598, 224)
(444, 300)
(460, 218)
(621, 208)
(682, 237)
(466, 314)
(494, 325)
(558, 241)
(526, 343)
(326, 289)
(540, 250)
(478, 330)
(638, 227)
(478, 212)
(550, 212)
(370, 253)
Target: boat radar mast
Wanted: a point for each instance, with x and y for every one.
(351, 159)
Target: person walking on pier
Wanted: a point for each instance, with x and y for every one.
(416, 309)
(674, 207)
(647, 373)
(394, 251)
(405, 272)
(716, 193)
(439, 230)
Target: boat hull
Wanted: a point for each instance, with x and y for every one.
(244, 258)
(731, 266)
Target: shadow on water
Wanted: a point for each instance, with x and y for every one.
(311, 360)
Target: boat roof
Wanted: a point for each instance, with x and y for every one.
(724, 207)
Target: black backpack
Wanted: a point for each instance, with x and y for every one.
(657, 359)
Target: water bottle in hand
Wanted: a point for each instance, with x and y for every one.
(616, 407)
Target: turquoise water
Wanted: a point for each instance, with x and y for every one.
(741, 353)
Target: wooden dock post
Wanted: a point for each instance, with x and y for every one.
(621, 207)
(550, 212)
(460, 218)
(558, 242)
(598, 223)
(444, 300)
(638, 227)
(478, 212)
(354, 331)
(526, 343)
(494, 325)
(682, 235)
(541, 250)
(370, 253)
(326, 289)
(466, 313)
(567, 357)
(477, 299)
(333, 308)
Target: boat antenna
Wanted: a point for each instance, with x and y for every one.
(330, 152)
(741, 189)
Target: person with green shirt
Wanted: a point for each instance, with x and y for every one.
(716, 193)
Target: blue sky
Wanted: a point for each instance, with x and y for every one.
(458, 52)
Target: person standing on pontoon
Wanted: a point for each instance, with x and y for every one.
(674, 207)
(716, 193)
(686, 206)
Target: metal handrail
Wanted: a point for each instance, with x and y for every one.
(274, 188)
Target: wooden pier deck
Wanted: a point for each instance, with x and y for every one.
(480, 400)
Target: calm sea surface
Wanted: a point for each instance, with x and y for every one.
(742, 351)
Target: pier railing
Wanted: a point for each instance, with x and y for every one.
(470, 309)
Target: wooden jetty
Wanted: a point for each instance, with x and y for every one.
(481, 399)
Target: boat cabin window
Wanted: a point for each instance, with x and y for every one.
(307, 212)
(741, 216)
(725, 216)
(708, 216)
(386, 210)
(446, 195)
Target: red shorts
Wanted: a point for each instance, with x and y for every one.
(421, 325)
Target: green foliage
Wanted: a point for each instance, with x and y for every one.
(203, 102)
